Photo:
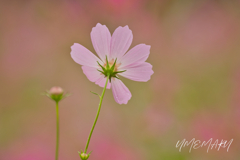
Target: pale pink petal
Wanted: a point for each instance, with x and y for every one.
(92, 73)
(120, 42)
(95, 76)
(120, 92)
(83, 56)
(101, 39)
(102, 81)
(137, 54)
(138, 72)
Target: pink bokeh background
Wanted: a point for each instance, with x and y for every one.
(193, 93)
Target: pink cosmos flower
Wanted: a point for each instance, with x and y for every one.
(111, 51)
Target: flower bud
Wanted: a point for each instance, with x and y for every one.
(56, 91)
(56, 94)
(84, 156)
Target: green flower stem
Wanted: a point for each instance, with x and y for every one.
(57, 133)
(99, 108)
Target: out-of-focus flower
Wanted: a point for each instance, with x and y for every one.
(83, 156)
(56, 94)
(113, 61)
(56, 91)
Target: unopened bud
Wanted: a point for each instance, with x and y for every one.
(84, 156)
(56, 94)
(56, 91)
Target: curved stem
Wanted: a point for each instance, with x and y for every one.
(99, 108)
(57, 132)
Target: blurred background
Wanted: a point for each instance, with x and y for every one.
(194, 92)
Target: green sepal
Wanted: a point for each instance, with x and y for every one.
(113, 66)
(84, 156)
(107, 63)
(101, 72)
(109, 71)
(116, 72)
(104, 70)
(56, 98)
(66, 95)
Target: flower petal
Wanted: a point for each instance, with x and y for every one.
(120, 42)
(83, 56)
(101, 82)
(120, 92)
(101, 39)
(138, 72)
(138, 54)
(92, 73)
(95, 76)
